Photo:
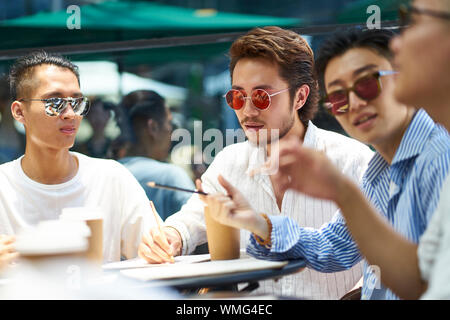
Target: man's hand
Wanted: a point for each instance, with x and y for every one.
(154, 249)
(233, 209)
(7, 252)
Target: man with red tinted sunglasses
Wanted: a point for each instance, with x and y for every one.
(402, 182)
(273, 91)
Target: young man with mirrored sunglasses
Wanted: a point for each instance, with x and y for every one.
(48, 177)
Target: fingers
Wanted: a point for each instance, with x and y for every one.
(8, 258)
(6, 239)
(283, 154)
(154, 249)
(145, 253)
(7, 251)
(221, 207)
(231, 190)
(174, 239)
(6, 244)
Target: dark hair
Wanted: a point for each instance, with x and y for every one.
(23, 68)
(153, 107)
(134, 97)
(344, 40)
(290, 52)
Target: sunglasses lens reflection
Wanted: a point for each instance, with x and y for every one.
(235, 99)
(56, 106)
(366, 88)
(260, 99)
(337, 102)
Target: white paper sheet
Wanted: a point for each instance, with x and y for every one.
(173, 271)
(141, 263)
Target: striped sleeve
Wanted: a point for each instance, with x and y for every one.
(431, 184)
(328, 249)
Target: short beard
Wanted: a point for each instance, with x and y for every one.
(283, 131)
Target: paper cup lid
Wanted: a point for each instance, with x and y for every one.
(53, 237)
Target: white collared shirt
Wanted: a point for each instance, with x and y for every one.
(234, 162)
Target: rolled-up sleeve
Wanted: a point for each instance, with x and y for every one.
(328, 249)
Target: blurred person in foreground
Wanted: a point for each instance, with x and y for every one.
(48, 178)
(150, 120)
(409, 242)
(274, 94)
(422, 54)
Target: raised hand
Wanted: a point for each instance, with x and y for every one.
(305, 170)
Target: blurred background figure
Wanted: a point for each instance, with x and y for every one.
(12, 143)
(98, 144)
(150, 122)
(187, 158)
(121, 145)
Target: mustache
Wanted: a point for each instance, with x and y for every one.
(253, 120)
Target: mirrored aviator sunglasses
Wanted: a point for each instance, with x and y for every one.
(367, 88)
(56, 106)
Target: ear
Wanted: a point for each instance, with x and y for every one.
(301, 96)
(17, 110)
(152, 127)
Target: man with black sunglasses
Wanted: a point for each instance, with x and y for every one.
(402, 182)
(48, 177)
(273, 91)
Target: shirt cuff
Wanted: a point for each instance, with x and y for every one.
(285, 234)
(278, 237)
(184, 233)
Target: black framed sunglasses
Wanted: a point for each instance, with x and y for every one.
(56, 106)
(405, 12)
(367, 88)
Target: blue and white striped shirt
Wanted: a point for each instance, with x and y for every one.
(405, 192)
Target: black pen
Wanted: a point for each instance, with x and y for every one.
(153, 184)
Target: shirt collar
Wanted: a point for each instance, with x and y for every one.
(310, 140)
(415, 137)
(413, 142)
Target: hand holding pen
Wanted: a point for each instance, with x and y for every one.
(161, 243)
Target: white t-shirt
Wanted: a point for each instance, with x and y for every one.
(434, 249)
(98, 183)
